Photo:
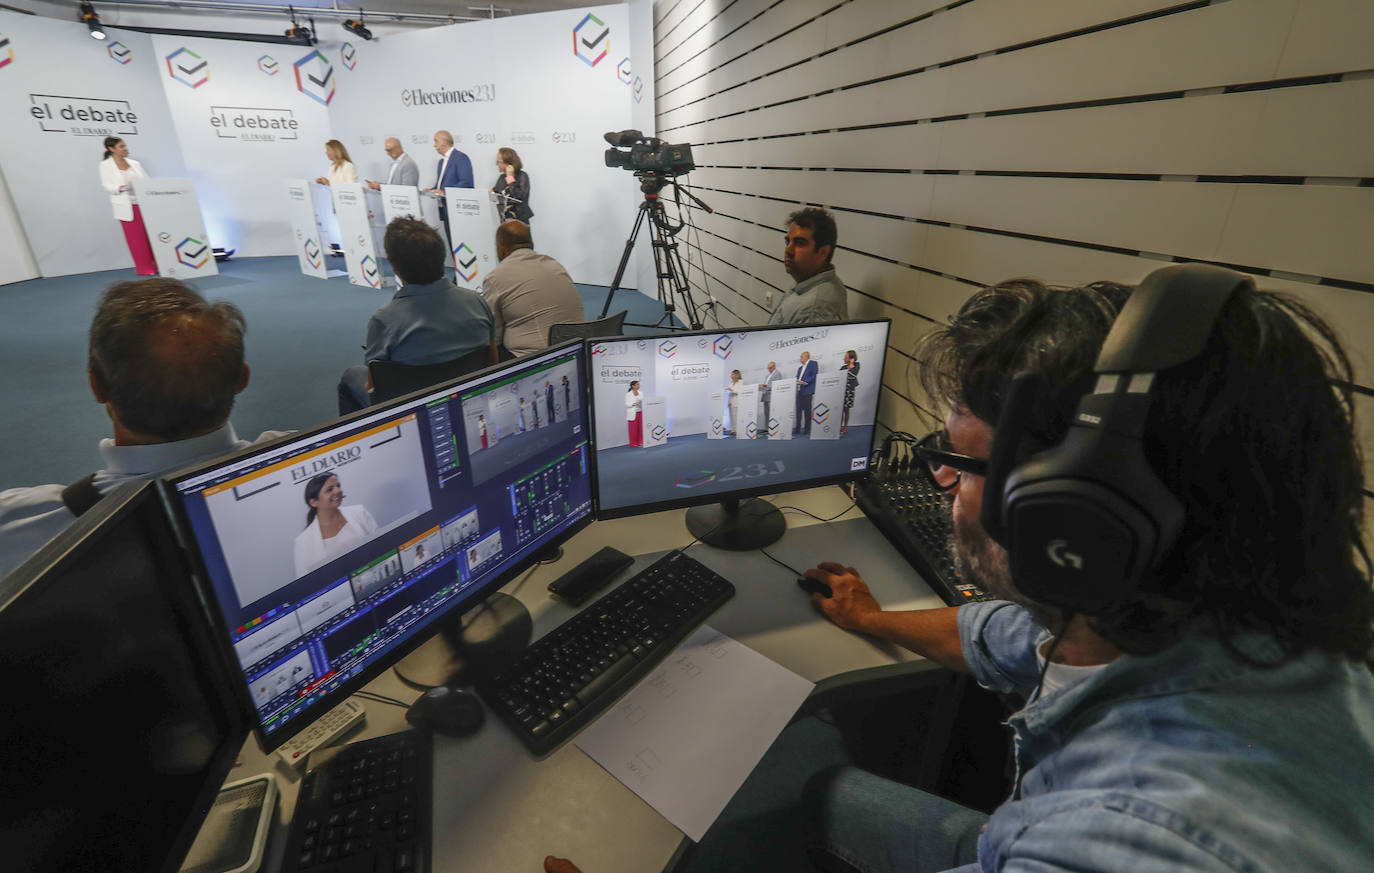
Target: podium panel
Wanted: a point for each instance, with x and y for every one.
(305, 227)
(171, 214)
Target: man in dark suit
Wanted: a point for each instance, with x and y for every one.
(548, 398)
(454, 171)
(806, 390)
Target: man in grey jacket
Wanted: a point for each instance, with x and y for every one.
(819, 295)
(403, 170)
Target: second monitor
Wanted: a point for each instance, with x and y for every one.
(686, 419)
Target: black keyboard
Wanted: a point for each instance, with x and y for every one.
(365, 808)
(573, 673)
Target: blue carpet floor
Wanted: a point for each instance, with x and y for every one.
(302, 332)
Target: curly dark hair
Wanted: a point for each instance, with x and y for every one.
(822, 227)
(1256, 436)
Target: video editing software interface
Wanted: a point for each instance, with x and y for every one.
(750, 411)
(328, 552)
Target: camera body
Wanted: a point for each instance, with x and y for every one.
(632, 150)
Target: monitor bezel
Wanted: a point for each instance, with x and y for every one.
(437, 623)
(605, 514)
(208, 662)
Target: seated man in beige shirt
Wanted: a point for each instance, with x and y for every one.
(528, 292)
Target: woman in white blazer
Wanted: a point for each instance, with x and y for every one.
(117, 170)
(330, 528)
(341, 167)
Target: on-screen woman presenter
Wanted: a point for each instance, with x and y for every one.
(634, 414)
(341, 167)
(117, 170)
(512, 186)
(330, 528)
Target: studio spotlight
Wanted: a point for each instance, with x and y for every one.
(358, 28)
(298, 31)
(92, 21)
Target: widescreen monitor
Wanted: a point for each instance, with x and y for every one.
(728, 415)
(332, 553)
(120, 722)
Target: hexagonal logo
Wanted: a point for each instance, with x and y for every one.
(638, 89)
(312, 253)
(165, 237)
(658, 432)
(641, 345)
(751, 430)
(315, 77)
(406, 98)
(667, 349)
(465, 261)
(623, 71)
(722, 346)
(188, 68)
(6, 51)
(349, 55)
(268, 66)
(372, 274)
(591, 40)
(193, 253)
(774, 427)
(820, 413)
(701, 343)
(716, 426)
(599, 349)
(119, 52)
(693, 480)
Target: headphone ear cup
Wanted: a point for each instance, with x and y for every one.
(1086, 520)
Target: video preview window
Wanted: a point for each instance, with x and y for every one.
(281, 522)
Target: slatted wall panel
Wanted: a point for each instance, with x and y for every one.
(960, 143)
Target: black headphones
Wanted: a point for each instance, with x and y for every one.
(1084, 521)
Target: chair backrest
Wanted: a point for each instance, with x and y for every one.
(611, 325)
(390, 379)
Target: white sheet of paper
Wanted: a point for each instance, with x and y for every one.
(686, 737)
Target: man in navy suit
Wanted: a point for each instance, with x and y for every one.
(806, 389)
(455, 171)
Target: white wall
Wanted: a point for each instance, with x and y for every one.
(960, 143)
(16, 260)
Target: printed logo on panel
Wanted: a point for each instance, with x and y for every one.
(6, 51)
(312, 253)
(371, 273)
(465, 261)
(188, 68)
(722, 346)
(193, 253)
(268, 65)
(349, 55)
(591, 40)
(667, 349)
(118, 52)
(623, 72)
(315, 77)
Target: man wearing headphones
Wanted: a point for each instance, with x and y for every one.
(1185, 599)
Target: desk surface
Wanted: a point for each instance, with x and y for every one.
(496, 808)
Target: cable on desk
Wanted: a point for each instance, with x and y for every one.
(795, 572)
(381, 698)
(852, 504)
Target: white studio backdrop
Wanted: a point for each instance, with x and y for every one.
(514, 82)
(61, 94)
(244, 126)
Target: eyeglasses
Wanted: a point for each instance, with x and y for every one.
(944, 466)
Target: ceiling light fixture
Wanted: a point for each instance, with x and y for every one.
(92, 21)
(358, 28)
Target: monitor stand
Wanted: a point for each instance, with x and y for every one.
(487, 639)
(739, 526)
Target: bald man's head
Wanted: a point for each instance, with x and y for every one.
(511, 236)
(443, 141)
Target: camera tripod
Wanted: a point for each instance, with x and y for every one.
(668, 268)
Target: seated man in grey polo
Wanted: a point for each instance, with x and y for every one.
(429, 320)
(528, 292)
(819, 294)
(166, 365)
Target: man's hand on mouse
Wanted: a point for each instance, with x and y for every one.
(559, 865)
(850, 601)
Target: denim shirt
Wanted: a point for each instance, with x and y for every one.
(1189, 759)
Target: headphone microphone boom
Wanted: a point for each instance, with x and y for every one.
(1085, 521)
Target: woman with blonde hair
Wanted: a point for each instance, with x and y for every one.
(341, 167)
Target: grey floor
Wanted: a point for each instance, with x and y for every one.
(302, 332)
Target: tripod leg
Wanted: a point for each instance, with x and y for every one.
(625, 256)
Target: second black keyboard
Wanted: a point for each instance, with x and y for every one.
(573, 673)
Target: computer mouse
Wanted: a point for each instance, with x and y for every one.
(448, 711)
(814, 586)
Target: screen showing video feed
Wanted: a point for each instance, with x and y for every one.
(329, 551)
(681, 418)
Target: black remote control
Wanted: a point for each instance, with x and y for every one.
(588, 577)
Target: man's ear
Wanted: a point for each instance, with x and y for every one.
(97, 386)
(243, 380)
(829, 252)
